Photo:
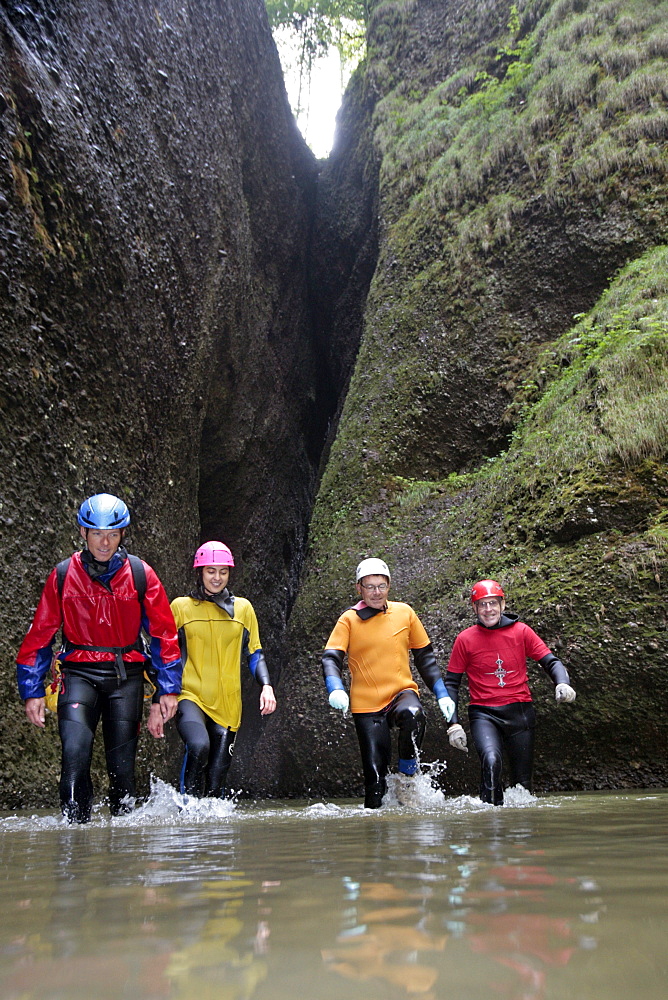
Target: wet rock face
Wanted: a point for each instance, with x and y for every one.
(154, 204)
(500, 222)
(184, 303)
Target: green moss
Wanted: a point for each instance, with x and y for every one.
(569, 482)
(559, 108)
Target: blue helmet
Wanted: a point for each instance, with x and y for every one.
(103, 511)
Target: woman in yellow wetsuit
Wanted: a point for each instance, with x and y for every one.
(217, 631)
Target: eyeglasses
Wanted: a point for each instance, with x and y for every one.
(489, 604)
(380, 587)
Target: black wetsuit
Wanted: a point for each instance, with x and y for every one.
(373, 735)
(208, 753)
(92, 692)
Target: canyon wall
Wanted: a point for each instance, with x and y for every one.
(156, 204)
(507, 415)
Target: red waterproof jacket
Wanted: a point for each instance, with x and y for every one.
(92, 614)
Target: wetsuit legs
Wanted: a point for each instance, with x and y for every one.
(208, 753)
(373, 735)
(407, 715)
(220, 758)
(87, 696)
(510, 727)
(76, 725)
(121, 715)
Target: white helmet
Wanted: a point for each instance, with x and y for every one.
(372, 567)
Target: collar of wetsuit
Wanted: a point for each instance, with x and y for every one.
(96, 569)
(363, 611)
(503, 622)
(224, 600)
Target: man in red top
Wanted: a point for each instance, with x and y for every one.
(93, 597)
(493, 654)
(378, 636)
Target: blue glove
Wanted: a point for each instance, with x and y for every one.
(339, 699)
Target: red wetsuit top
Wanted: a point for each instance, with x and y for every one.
(92, 614)
(495, 661)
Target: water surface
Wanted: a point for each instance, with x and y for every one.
(557, 897)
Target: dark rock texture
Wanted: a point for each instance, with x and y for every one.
(155, 206)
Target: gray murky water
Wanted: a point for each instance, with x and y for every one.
(558, 897)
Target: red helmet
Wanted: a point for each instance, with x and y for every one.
(485, 588)
(213, 554)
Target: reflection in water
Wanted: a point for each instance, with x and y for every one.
(388, 941)
(544, 898)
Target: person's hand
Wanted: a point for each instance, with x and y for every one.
(267, 700)
(447, 706)
(457, 737)
(564, 692)
(154, 724)
(35, 710)
(168, 706)
(339, 699)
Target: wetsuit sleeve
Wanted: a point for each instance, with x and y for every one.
(429, 670)
(258, 667)
(251, 645)
(452, 683)
(554, 669)
(332, 667)
(179, 619)
(334, 655)
(34, 657)
(158, 622)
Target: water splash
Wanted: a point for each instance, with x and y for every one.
(165, 807)
(416, 793)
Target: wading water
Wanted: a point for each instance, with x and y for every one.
(556, 897)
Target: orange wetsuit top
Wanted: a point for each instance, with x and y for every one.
(378, 653)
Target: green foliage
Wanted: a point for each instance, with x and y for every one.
(606, 395)
(589, 452)
(572, 104)
(322, 24)
(317, 26)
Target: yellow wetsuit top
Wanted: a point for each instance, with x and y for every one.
(378, 653)
(216, 645)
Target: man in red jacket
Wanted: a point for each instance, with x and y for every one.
(94, 598)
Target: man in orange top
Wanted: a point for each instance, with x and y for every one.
(377, 636)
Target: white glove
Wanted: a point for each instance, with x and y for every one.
(339, 699)
(447, 706)
(457, 737)
(564, 692)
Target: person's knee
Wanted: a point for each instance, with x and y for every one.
(197, 741)
(491, 760)
(411, 722)
(411, 715)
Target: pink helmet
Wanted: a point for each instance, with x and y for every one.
(213, 554)
(486, 588)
